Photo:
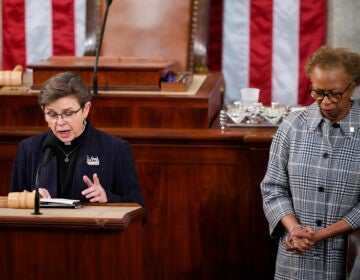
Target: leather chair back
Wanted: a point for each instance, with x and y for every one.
(174, 30)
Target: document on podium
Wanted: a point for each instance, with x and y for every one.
(59, 203)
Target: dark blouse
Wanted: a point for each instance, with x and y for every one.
(66, 155)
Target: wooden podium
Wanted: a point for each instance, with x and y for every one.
(94, 242)
(114, 73)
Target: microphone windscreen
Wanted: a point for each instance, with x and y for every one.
(49, 147)
(49, 142)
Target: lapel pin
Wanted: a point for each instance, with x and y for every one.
(91, 160)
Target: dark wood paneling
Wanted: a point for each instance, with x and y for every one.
(201, 188)
(69, 252)
(200, 185)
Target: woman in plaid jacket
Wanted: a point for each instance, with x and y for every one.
(311, 188)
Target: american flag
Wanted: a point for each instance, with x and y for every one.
(266, 43)
(37, 29)
(263, 43)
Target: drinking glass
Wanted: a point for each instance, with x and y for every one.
(249, 96)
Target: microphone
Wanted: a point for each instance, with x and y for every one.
(98, 48)
(48, 150)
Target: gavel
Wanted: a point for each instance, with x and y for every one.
(25, 200)
(13, 77)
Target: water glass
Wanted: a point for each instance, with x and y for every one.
(249, 96)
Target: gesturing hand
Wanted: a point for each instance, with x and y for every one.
(95, 192)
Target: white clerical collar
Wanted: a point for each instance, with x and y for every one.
(69, 143)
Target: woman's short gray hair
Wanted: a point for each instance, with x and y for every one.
(64, 84)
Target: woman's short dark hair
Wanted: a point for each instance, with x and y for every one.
(64, 84)
(327, 58)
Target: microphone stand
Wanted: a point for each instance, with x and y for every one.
(98, 48)
(47, 154)
(37, 195)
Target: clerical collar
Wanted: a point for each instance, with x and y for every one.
(74, 142)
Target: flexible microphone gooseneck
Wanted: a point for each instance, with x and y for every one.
(98, 48)
(48, 153)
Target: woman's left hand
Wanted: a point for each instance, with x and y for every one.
(44, 193)
(95, 192)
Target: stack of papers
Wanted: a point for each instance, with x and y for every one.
(59, 203)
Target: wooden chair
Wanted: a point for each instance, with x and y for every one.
(174, 30)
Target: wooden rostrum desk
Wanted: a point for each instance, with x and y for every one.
(201, 189)
(133, 110)
(200, 184)
(93, 242)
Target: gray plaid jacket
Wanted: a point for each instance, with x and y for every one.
(313, 173)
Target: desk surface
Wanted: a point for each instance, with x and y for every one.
(110, 217)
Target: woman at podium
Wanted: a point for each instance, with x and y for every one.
(77, 160)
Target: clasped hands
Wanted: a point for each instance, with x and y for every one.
(95, 192)
(300, 239)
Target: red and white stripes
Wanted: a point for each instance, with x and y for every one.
(265, 45)
(265, 42)
(37, 29)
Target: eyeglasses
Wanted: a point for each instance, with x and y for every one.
(333, 96)
(66, 115)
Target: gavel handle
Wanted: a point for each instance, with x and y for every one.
(3, 202)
